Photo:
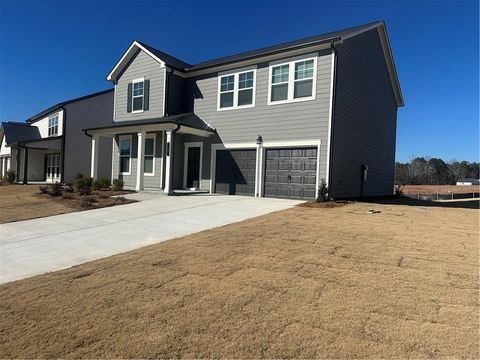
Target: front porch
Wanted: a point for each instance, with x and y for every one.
(39, 161)
(156, 154)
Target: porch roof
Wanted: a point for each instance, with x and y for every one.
(189, 120)
(16, 132)
(48, 143)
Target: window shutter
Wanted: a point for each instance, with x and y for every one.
(129, 98)
(146, 97)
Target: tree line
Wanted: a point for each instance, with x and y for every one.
(434, 171)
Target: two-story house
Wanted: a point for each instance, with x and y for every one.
(269, 122)
(51, 146)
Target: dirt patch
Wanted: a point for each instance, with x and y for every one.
(23, 202)
(323, 205)
(302, 283)
(439, 189)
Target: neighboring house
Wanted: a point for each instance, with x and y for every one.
(51, 146)
(468, 181)
(270, 122)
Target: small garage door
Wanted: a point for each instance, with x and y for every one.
(235, 172)
(291, 173)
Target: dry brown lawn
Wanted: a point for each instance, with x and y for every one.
(23, 202)
(440, 189)
(309, 282)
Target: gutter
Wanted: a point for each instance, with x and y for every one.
(332, 123)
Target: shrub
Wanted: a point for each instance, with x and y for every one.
(322, 194)
(43, 189)
(10, 176)
(100, 184)
(120, 199)
(78, 176)
(83, 185)
(118, 184)
(69, 188)
(86, 202)
(56, 189)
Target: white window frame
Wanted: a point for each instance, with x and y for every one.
(51, 127)
(120, 138)
(154, 137)
(136, 81)
(291, 79)
(236, 76)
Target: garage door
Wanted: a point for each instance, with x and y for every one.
(291, 173)
(235, 172)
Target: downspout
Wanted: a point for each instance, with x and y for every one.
(172, 152)
(64, 131)
(332, 125)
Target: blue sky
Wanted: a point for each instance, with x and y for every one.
(56, 50)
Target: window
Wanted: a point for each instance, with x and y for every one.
(125, 148)
(53, 126)
(137, 95)
(236, 90)
(149, 155)
(292, 81)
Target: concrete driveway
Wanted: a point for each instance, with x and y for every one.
(37, 246)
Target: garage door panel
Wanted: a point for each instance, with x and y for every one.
(291, 173)
(235, 172)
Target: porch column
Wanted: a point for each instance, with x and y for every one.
(94, 162)
(168, 172)
(140, 160)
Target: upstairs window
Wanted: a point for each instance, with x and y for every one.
(292, 81)
(137, 95)
(53, 126)
(236, 90)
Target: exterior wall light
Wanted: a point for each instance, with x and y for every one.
(259, 140)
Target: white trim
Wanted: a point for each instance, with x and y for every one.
(169, 149)
(213, 157)
(94, 157)
(154, 137)
(162, 159)
(330, 118)
(164, 88)
(114, 140)
(235, 91)
(120, 138)
(124, 60)
(291, 78)
(140, 160)
(189, 145)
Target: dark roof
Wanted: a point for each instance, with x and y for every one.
(188, 119)
(169, 59)
(63, 103)
(283, 46)
(16, 132)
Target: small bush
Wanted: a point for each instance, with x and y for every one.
(87, 202)
(101, 184)
(10, 176)
(69, 188)
(322, 194)
(83, 185)
(120, 199)
(118, 184)
(43, 189)
(78, 176)
(56, 189)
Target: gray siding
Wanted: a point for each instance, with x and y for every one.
(365, 120)
(280, 122)
(142, 65)
(130, 180)
(176, 100)
(89, 113)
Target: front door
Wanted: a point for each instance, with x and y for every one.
(193, 168)
(53, 168)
